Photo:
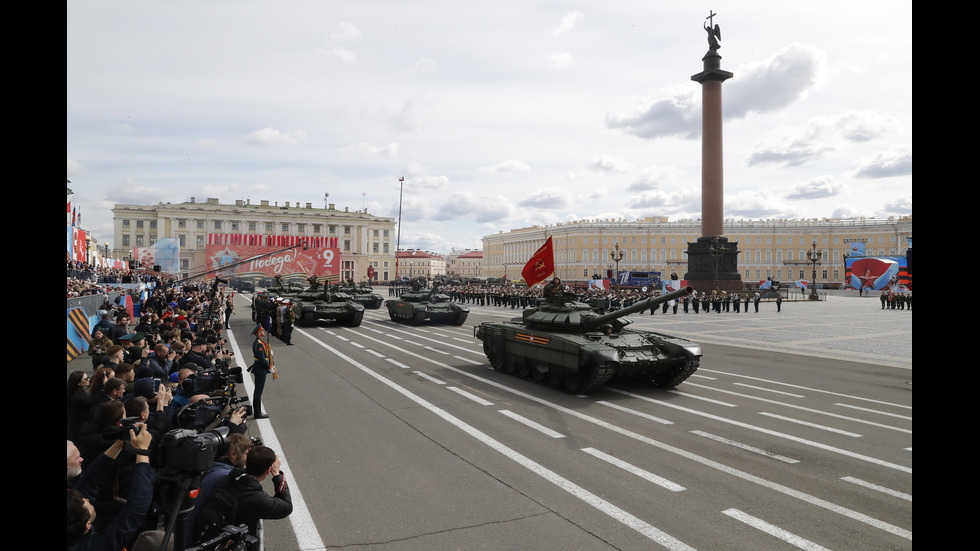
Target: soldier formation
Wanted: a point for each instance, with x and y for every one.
(896, 301)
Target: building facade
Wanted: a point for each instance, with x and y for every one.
(466, 264)
(767, 248)
(414, 263)
(363, 239)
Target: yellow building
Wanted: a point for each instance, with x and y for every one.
(767, 248)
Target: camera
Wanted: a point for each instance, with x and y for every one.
(191, 452)
(231, 538)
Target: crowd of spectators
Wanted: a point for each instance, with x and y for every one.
(84, 279)
(146, 382)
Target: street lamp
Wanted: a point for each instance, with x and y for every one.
(616, 256)
(813, 255)
(398, 240)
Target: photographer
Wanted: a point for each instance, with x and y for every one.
(120, 531)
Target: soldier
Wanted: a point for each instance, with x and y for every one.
(779, 303)
(756, 302)
(287, 323)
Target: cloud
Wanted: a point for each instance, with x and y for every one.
(666, 202)
(821, 136)
(545, 199)
(671, 113)
(899, 207)
(418, 180)
(371, 150)
(816, 188)
(511, 165)
(133, 194)
(773, 84)
(609, 165)
(270, 136)
(761, 87)
(753, 204)
(654, 178)
(568, 22)
(483, 209)
(886, 165)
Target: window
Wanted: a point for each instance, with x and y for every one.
(268, 227)
(251, 226)
(181, 223)
(385, 234)
(200, 241)
(125, 223)
(125, 241)
(139, 240)
(139, 224)
(346, 244)
(301, 228)
(285, 228)
(182, 240)
(234, 226)
(332, 230)
(386, 248)
(375, 233)
(217, 224)
(346, 230)
(200, 224)
(153, 224)
(374, 247)
(316, 228)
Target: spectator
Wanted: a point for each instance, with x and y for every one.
(98, 346)
(158, 363)
(114, 389)
(253, 503)
(123, 529)
(79, 402)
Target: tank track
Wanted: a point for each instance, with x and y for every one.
(675, 376)
(583, 382)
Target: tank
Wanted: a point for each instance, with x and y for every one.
(567, 344)
(314, 303)
(420, 304)
(363, 294)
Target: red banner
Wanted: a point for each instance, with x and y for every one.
(226, 260)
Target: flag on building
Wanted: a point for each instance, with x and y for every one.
(541, 265)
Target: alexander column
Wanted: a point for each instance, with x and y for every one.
(712, 260)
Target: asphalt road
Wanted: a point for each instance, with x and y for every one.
(795, 433)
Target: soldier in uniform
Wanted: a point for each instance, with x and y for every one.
(552, 291)
(756, 302)
(287, 323)
(260, 369)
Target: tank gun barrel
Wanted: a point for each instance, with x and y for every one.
(651, 302)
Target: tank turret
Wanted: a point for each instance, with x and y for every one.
(419, 304)
(568, 314)
(567, 344)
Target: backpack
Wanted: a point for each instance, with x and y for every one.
(219, 509)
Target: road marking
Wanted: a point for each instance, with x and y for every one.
(773, 530)
(533, 424)
(628, 467)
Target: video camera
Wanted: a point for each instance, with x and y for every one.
(221, 386)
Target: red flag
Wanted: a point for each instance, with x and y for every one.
(541, 265)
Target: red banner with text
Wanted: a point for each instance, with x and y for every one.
(252, 260)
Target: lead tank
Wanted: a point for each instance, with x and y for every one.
(364, 294)
(420, 304)
(566, 344)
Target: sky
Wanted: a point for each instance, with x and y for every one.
(498, 114)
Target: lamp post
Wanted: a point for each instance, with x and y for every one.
(398, 239)
(813, 255)
(616, 256)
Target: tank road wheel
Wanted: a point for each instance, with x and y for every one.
(524, 368)
(355, 320)
(552, 379)
(417, 318)
(588, 379)
(498, 360)
(536, 374)
(676, 375)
